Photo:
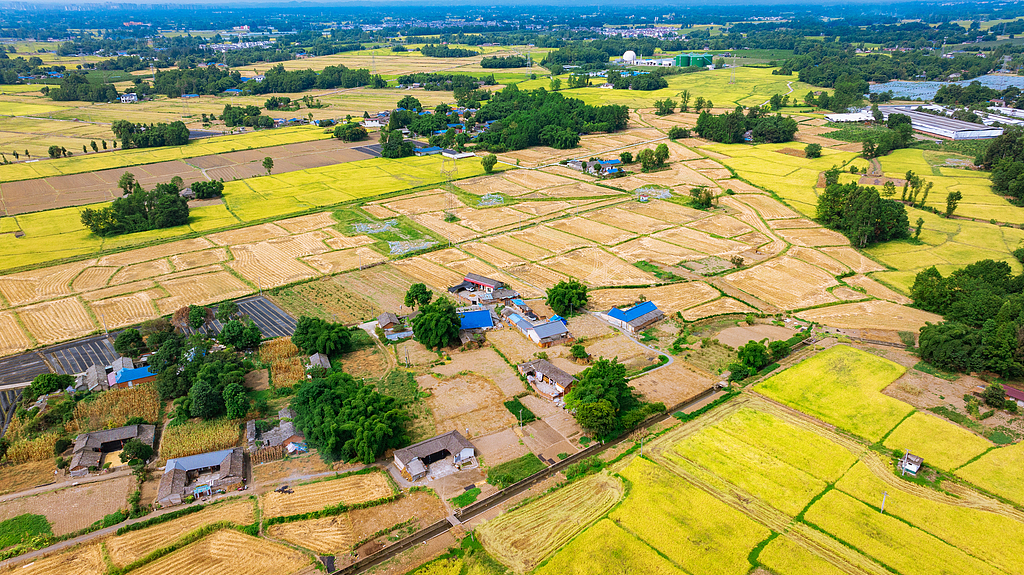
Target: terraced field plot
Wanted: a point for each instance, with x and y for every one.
(523, 538)
(230, 553)
(124, 549)
(315, 496)
(837, 386)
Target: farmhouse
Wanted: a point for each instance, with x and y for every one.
(90, 448)
(547, 379)
(911, 463)
(281, 435)
(319, 360)
(636, 318)
(500, 295)
(473, 286)
(543, 334)
(130, 377)
(414, 461)
(387, 320)
(204, 473)
(129, 98)
(475, 319)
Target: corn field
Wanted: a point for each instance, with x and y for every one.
(285, 361)
(38, 449)
(114, 407)
(198, 437)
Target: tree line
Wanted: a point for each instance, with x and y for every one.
(134, 135)
(730, 128)
(139, 210)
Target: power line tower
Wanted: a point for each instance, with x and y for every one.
(449, 172)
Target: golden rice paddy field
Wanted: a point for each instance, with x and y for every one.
(752, 484)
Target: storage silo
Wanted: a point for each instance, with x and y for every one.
(682, 60)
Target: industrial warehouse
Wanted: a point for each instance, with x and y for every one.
(930, 124)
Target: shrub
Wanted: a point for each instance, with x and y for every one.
(510, 472)
(812, 150)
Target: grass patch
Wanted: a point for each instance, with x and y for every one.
(928, 368)
(467, 497)
(23, 528)
(522, 413)
(510, 472)
(657, 272)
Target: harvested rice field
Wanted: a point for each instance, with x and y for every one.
(721, 225)
(668, 211)
(134, 545)
(228, 552)
(125, 310)
(670, 298)
(523, 538)
(857, 261)
(816, 258)
(325, 535)
(201, 290)
(785, 282)
(598, 268)
(814, 237)
(599, 233)
(628, 219)
(702, 242)
(428, 272)
(875, 289)
(12, 338)
(876, 314)
(344, 260)
(526, 250)
(316, 496)
(720, 306)
(55, 321)
(654, 251)
(82, 560)
(550, 239)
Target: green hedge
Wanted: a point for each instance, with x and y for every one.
(688, 416)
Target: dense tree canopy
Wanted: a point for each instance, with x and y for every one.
(241, 335)
(344, 419)
(983, 306)
(566, 296)
(139, 211)
(862, 215)
(437, 325)
(151, 136)
(524, 118)
(314, 335)
(730, 128)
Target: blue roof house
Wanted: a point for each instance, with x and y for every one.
(477, 319)
(636, 318)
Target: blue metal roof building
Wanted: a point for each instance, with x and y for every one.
(476, 319)
(636, 317)
(129, 375)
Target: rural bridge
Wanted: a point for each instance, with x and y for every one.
(475, 509)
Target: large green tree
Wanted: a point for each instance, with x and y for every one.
(344, 419)
(566, 296)
(417, 295)
(314, 335)
(129, 343)
(437, 325)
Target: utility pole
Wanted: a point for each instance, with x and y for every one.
(884, 494)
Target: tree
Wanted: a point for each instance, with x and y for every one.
(488, 162)
(197, 316)
(204, 400)
(917, 231)
(566, 296)
(104, 143)
(344, 419)
(556, 84)
(703, 197)
(660, 155)
(779, 349)
(393, 144)
(646, 159)
(418, 295)
(812, 150)
(236, 402)
(677, 132)
(626, 157)
(240, 335)
(578, 351)
(410, 103)
(876, 113)
(952, 200)
(437, 325)
(664, 107)
(136, 449)
(226, 311)
(994, 395)
(314, 335)
(888, 189)
(268, 164)
(351, 132)
(95, 148)
(597, 417)
(48, 383)
(129, 343)
(684, 101)
(126, 182)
